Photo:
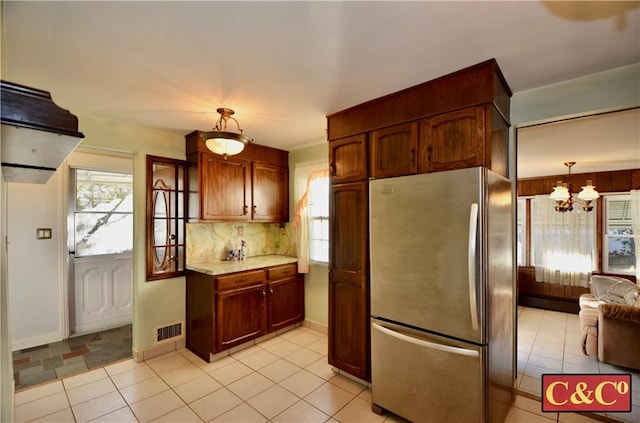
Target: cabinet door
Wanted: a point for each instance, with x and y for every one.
(453, 140)
(224, 188)
(394, 150)
(348, 159)
(286, 302)
(348, 279)
(270, 193)
(240, 316)
(199, 316)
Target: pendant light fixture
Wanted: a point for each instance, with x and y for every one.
(222, 142)
(564, 197)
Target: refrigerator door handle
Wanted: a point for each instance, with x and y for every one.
(473, 230)
(425, 344)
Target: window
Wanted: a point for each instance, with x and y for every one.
(311, 220)
(319, 220)
(618, 249)
(166, 214)
(521, 231)
(103, 212)
(563, 244)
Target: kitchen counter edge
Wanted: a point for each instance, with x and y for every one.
(215, 268)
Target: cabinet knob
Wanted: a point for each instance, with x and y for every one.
(245, 209)
(271, 291)
(332, 169)
(264, 293)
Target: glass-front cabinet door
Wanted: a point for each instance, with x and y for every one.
(166, 214)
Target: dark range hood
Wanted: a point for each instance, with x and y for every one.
(37, 135)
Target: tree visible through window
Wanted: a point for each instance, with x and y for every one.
(619, 243)
(103, 217)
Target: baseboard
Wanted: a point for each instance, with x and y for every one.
(549, 304)
(316, 326)
(164, 347)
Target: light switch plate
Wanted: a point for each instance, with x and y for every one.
(43, 233)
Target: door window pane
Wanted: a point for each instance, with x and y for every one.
(103, 218)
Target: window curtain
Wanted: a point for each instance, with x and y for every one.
(635, 227)
(303, 176)
(563, 243)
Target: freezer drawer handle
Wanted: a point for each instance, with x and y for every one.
(425, 344)
(473, 228)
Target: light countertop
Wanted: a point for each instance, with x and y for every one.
(221, 267)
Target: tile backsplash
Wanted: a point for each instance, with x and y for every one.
(212, 241)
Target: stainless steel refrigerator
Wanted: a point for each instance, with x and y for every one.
(442, 296)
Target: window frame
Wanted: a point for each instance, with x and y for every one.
(606, 198)
(324, 219)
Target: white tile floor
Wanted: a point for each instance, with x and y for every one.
(284, 379)
(549, 342)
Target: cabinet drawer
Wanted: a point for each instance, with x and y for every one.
(280, 272)
(239, 279)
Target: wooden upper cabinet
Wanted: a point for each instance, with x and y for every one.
(394, 150)
(453, 140)
(348, 159)
(270, 193)
(252, 185)
(224, 188)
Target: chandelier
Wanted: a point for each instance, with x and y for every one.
(222, 142)
(563, 195)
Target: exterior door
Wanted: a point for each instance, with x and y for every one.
(100, 249)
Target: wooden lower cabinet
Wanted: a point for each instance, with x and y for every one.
(286, 302)
(240, 315)
(228, 310)
(349, 328)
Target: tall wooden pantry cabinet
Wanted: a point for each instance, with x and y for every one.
(456, 121)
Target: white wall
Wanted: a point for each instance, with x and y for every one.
(605, 91)
(34, 266)
(36, 276)
(6, 359)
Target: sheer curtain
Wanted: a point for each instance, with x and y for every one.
(304, 174)
(635, 226)
(563, 243)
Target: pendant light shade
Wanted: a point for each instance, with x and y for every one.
(223, 142)
(563, 196)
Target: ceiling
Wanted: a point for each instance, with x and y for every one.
(597, 142)
(284, 66)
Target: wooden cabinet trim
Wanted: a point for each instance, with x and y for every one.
(478, 84)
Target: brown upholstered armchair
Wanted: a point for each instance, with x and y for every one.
(611, 330)
(619, 335)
